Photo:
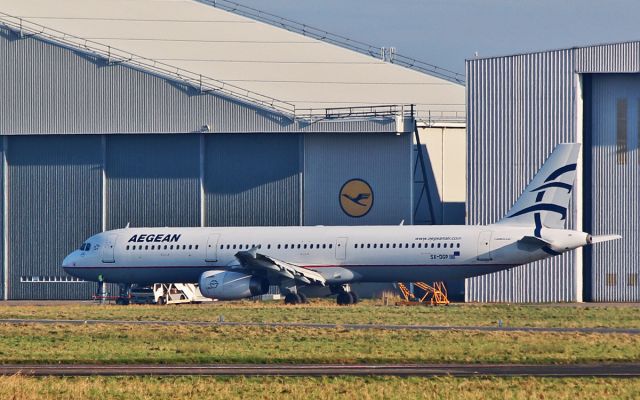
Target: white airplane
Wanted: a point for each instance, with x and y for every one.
(239, 262)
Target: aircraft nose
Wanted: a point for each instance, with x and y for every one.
(69, 261)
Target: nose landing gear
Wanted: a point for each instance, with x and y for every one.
(345, 295)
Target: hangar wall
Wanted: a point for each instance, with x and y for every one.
(92, 146)
(612, 107)
(160, 187)
(518, 108)
(252, 180)
(443, 148)
(53, 186)
(330, 161)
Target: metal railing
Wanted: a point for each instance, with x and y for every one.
(374, 111)
(447, 116)
(342, 41)
(113, 55)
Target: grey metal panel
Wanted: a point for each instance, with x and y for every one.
(54, 205)
(58, 90)
(252, 180)
(519, 108)
(615, 57)
(153, 180)
(614, 188)
(383, 161)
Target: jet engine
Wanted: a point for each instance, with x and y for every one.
(230, 285)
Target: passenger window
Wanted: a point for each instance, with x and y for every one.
(171, 248)
(433, 245)
(324, 246)
(375, 245)
(189, 247)
(420, 245)
(458, 245)
(278, 246)
(228, 246)
(165, 246)
(438, 245)
(331, 246)
(406, 245)
(355, 246)
(127, 247)
(368, 245)
(184, 247)
(234, 246)
(146, 247)
(286, 246)
(268, 246)
(221, 246)
(444, 245)
(387, 245)
(394, 245)
(305, 246)
(451, 245)
(413, 245)
(153, 247)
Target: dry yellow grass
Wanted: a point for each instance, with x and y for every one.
(134, 388)
(35, 343)
(368, 312)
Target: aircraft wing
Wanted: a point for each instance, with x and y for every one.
(253, 260)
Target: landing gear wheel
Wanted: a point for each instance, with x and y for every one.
(162, 301)
(344, 299)
(303, 298)
(292, 298)
(354, 297)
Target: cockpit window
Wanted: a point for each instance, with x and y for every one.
(85, 247)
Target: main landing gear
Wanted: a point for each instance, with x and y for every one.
(345, 295)
(295, 298)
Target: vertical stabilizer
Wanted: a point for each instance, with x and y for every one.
(546, 199)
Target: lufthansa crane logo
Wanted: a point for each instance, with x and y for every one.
(356, 198)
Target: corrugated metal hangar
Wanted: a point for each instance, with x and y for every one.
(518, 108)
(181, 113)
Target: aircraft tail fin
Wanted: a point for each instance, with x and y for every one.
(545, 200)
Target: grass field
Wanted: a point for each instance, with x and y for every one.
(22, 388)
(620, 316)
(36, 343)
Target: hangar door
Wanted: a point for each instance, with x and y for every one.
(612, 192)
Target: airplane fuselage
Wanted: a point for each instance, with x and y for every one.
(342, 254)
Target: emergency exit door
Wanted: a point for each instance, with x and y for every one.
(341, 248)
(212, 247)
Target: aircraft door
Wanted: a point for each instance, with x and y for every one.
(108, 248)
(341, 248)
(484, 246)
(212, 247)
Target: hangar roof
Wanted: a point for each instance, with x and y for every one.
(247, 57)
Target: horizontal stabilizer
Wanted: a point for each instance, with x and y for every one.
(604, 238)
(536, 241)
